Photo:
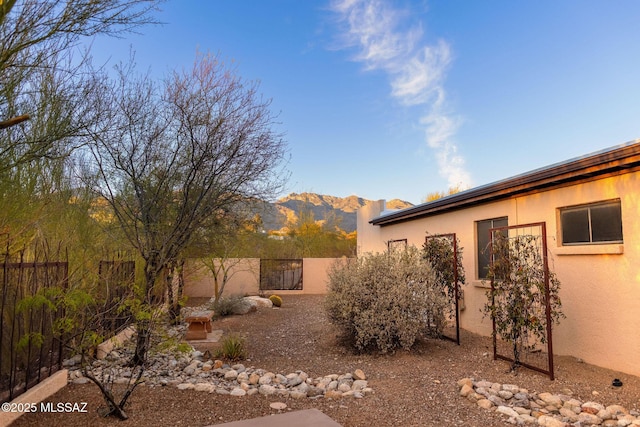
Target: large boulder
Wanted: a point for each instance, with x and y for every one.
(246, 306)
(260, 301)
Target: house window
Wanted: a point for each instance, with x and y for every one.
(393, 245)
(482, 250)
(592, 224)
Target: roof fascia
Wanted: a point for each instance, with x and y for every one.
(620, 159)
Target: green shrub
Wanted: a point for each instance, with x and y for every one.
(225, 306)
(276, 300)
(517, 301)
(233, 348)
(385, 301)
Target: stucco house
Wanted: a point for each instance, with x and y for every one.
(591, 207)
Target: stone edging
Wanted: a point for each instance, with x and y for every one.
(544, 409)
(192, 372)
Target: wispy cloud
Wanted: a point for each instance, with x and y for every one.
(385, 39)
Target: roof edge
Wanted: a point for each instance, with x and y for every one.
(618, 158)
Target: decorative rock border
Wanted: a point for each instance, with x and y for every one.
(191, 372)
(544, 409)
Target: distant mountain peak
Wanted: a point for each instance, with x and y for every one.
(287, 208)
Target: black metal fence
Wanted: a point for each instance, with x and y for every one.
(280, 274)
(30, 351)
(116, 279)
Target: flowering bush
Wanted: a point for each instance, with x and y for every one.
(385, 301)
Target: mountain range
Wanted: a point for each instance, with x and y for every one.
(341, 210)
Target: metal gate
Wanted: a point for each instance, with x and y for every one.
(280, 274)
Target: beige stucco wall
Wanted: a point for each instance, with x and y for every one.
(244, 277)
(600, 283)
(314, 275)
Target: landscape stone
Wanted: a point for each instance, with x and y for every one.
(588, 419)
(191, 372)
(247, 306)
(504, 394)
(254, 378)
(511, 388)
(266, 378)
(266, 389)
(359, 385)
(278, 405)
(238, 392)
(344, 387)
(548, 421)
(260, 301)
(551, 399)
(484, 403)
(617, 410)
(544, 409)
(204, 387)
(507, 411)
(522, 411)
(592, 407)
(569, 414)
(496, 400)
(358, 374)
(185, 386)
(231, 374)
(466, 390)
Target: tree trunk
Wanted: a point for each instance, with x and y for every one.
(143, 326)
(180, 287)
(142, 344)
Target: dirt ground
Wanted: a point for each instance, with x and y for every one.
(416, 388)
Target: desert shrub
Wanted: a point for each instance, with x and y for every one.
(226, 306)
(276, 300)
(385, 301)
(233, 348)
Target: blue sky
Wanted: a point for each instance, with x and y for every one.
(398, 99)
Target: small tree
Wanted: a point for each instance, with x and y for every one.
(385, 301)
(517, 300)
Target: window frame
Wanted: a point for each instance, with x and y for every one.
(479, 240)
(588, 207)
(394, 242)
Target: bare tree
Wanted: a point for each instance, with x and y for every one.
(222, 247)
(172, 157)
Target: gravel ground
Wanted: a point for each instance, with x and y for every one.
(416, 388)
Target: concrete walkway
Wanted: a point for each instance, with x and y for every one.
(304, 418)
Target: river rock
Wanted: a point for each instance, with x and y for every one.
(358, 374)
